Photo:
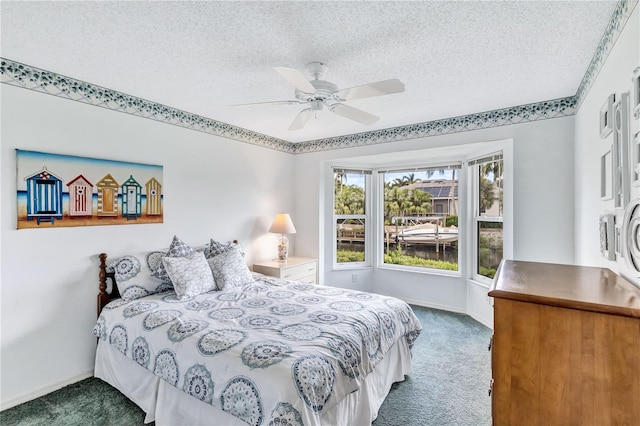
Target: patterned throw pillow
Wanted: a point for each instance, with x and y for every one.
(177, 249)
(191, 275)
(229, 269)
(215, 248)
(134, 275)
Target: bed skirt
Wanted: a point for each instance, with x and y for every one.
(167, 405)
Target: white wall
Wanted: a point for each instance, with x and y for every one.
(614, 77)
(213, 187)
(543, 185)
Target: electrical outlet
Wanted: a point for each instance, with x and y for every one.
(354, 278)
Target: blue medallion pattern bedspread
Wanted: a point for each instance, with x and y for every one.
(270, 352)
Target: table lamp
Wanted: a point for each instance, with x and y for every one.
(282, 224)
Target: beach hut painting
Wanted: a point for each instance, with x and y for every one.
(154, 200)
(107, 196)
(131, 193)
(80, 197)
(55, 190)
(44, 196)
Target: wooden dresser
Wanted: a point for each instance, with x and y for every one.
(566, 346)
(294, 269)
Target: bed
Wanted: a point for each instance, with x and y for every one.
(251, 349)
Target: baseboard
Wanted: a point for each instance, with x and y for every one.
(434, 306)
(481, 321)
(26, 397)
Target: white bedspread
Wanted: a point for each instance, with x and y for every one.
(271, 351)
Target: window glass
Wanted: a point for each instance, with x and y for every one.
(350, 216)
(420, 223)
(349, 193)
(490, 245)
(490, 189)
(351, 239)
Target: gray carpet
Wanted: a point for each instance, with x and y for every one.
(449, 384)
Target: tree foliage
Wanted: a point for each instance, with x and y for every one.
(486, 194)
(451, 220)
(348, 199)
(399, 201)
(490, 179)
(404, 181)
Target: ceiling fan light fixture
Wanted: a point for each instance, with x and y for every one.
(324, 90)
(320, 93)
(316, 105)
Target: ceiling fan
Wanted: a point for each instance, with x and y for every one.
(319, 94)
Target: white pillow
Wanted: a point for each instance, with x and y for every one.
(177, 249)
(190, 276)
(134, 275)
(229, 269)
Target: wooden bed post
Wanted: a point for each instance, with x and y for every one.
(103, 297)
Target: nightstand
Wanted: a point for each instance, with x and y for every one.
(301, 269)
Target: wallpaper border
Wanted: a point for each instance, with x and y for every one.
(32, 78)
(619, 19)
(39, 80)
(484, 120)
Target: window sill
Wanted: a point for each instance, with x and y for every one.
(438, 272)
(338, 268)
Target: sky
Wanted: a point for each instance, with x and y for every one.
(358, 180)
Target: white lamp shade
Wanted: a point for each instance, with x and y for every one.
(282, 224)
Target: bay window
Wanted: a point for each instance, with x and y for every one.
(444, 217)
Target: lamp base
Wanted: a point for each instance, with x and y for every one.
(283, 248)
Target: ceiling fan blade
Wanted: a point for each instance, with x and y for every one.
(301, 119)
(384, 87)
(268, 103)
(354, 114)
(296, 78)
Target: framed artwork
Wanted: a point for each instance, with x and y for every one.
(618, 241)
(631, 235)
(621, 161)
(606, 112)
(606, 180)
(607, 236)
(635, 159)
(62, 190)
(635, 93)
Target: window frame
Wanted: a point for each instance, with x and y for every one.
(473, 166)
(367, 216)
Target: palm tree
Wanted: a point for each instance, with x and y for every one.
(410, 179)
(348, 199)
(395, 202)
(420, 202)
(486, 194)
(397, 183)
(494, 169)
(492, 173)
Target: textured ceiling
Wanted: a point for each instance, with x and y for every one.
(455, 58)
